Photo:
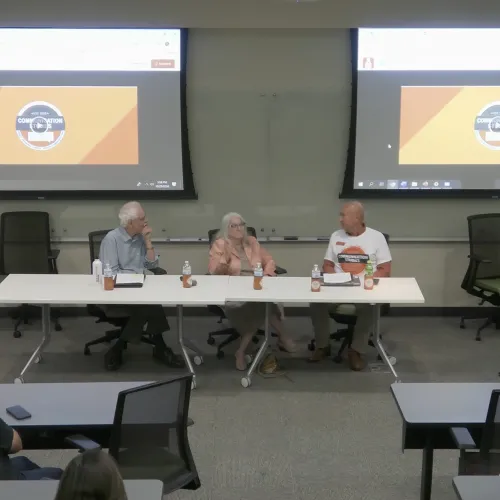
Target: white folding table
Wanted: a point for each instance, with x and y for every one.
(80, 289)
(298, 290)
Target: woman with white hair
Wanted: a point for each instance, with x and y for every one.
(235, 253)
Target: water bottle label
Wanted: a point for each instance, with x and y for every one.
(368, 282)
(315, 285)
(259, 273)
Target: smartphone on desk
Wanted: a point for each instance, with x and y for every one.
(18, 412)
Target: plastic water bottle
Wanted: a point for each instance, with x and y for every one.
(369, 276)
(187, 281)
(97, 270)
(258, 274)
(315, 279)
(108, 279)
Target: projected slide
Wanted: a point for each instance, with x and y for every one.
(426, 110)
(101, 111)
(69, 126)
(450, 126)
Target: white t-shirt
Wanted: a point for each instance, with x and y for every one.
(351, 253)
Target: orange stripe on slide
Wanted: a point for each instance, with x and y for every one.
(419, 105)
(120, 146)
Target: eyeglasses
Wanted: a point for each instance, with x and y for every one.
(241, 225)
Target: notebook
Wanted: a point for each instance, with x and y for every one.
(129, 280)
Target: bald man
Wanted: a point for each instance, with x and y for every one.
(349, 250)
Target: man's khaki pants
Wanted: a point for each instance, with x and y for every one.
(320, 316)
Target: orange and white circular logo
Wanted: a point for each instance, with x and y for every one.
(353, 260)
(487, 126)
(40, 125)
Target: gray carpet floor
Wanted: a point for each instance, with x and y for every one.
(319, 432)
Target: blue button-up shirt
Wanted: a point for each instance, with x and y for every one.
(125, 253)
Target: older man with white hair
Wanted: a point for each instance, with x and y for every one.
(129, 249)
(350, 248)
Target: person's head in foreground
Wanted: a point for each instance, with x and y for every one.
(133, 218)
(92, 475)
(352, 218)
(234, 228)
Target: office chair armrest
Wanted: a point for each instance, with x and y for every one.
(158, 271)
(280, 270)
(54, 254)
(462, 438)
(478, 259)
(82, 443)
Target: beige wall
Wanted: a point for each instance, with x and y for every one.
(438, 267)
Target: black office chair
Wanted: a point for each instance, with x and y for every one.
(482, 278)
(485, 459)
(25, 249)
(95, 239)
(149, 437)
(345, 314)
(230, 333)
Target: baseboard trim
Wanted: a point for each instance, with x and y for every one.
(473, 312)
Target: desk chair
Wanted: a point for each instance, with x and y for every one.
(149, 435)
(485, 459)
(95, 239)
(482, 278)
(345, 314)
(230, 333)
(25, 249)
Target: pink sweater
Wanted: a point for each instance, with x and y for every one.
(217, 263)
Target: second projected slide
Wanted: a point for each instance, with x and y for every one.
(69, 126)
(449, 125)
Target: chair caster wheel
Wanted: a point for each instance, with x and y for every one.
(86, 351)
(57, 327)
(198, 360)
(311, 346)
(17, 334)
(37, 360)
(478, 339)
(337, 359)
(255, 340)
(210, 341)
(220, 354)
(246, 382)
(248, 359)
(193, 384)
(462, 326)
(19, 380)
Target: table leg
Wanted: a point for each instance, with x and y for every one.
(427, 464)
(180, 336)
(36, 357)
(247, 380)
(378, 342)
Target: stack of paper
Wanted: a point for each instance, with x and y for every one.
(337, 278)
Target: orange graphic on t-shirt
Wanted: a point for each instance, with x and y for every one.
(353, 267)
